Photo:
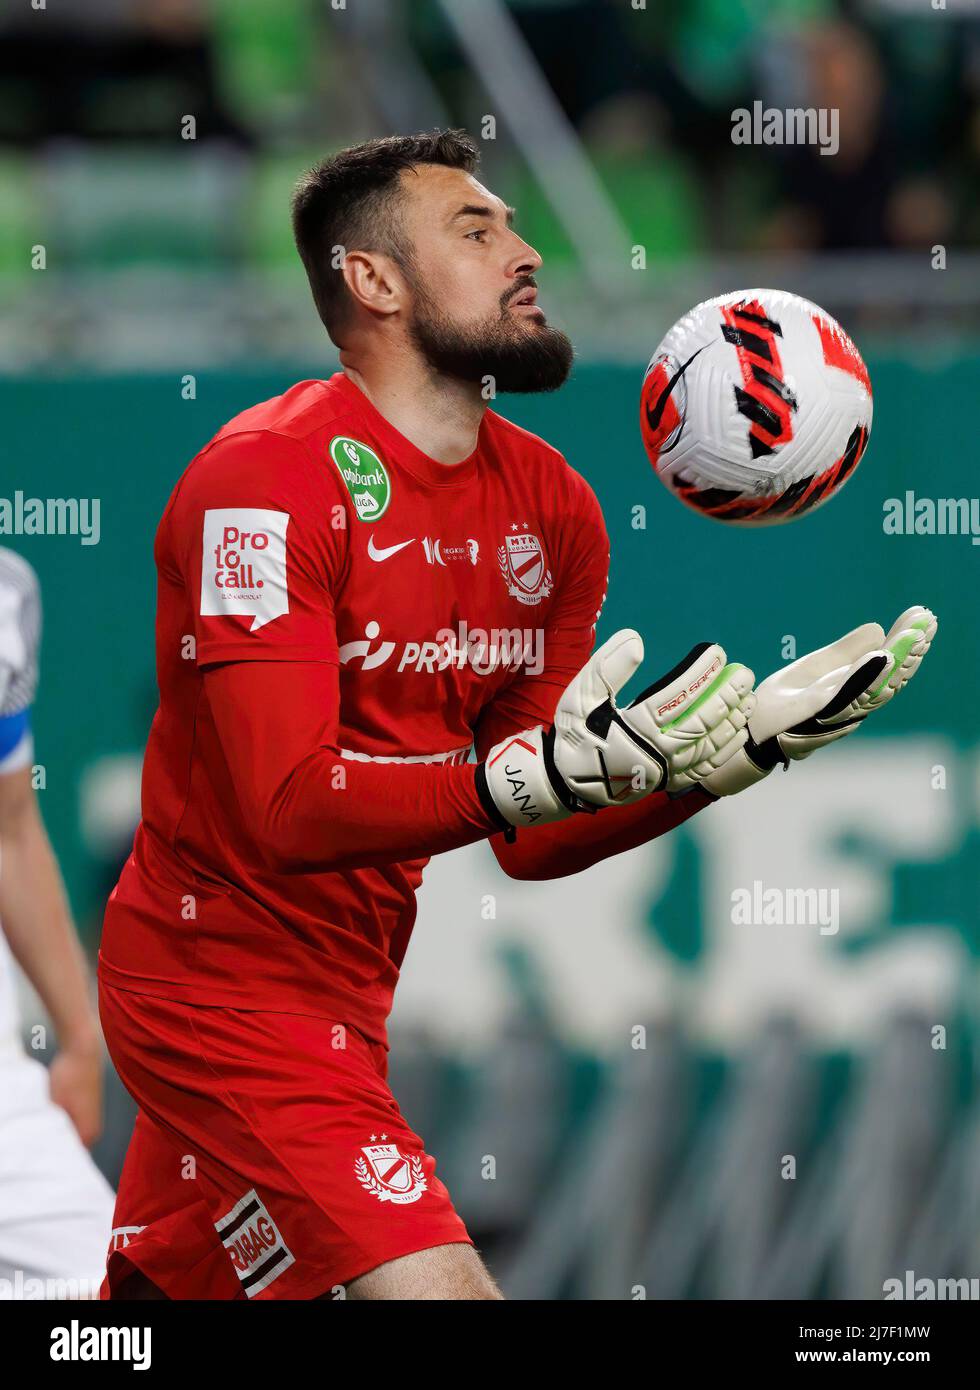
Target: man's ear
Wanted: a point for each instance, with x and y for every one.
(374, 281)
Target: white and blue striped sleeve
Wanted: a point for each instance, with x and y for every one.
(20, 639)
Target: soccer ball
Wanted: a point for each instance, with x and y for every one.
(756, 407)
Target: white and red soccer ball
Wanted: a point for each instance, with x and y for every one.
(756, 407)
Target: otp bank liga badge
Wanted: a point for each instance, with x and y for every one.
(392, 1177)
(364, 475)
(522, 563)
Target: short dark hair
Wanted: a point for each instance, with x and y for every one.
(349, 201)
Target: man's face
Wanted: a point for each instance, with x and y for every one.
(474, 313)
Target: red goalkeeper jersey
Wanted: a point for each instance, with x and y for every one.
(339, 619)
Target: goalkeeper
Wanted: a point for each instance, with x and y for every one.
(316, 562)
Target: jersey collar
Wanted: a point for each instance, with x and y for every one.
(405, 454)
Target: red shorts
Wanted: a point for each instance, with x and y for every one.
(269, 1158)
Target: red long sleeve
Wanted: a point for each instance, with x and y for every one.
(569, 846)
(313, 810)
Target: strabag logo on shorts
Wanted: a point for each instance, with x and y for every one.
(386, 1172)
(243, 569)
(258, 1252)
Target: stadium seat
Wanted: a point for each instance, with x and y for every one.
(140, 205)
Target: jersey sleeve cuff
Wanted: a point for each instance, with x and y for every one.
(16, 741)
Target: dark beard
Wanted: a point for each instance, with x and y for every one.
(520, 358)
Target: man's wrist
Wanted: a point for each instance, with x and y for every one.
(515, 781)
(490, 810)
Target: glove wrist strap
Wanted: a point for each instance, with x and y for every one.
(522, 784)
(765, 755)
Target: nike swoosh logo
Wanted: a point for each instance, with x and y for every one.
(654, 413)
(384, 553)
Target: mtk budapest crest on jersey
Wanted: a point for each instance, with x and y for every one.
(385, 1171)
(524, 568)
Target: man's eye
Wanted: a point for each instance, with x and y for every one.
(478, 234)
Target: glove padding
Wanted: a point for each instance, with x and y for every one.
(677, 732)
(825, 696)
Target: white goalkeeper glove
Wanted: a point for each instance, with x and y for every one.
(673, 735)
(825, 696)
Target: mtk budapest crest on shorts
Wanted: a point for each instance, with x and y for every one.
(385, 1171)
